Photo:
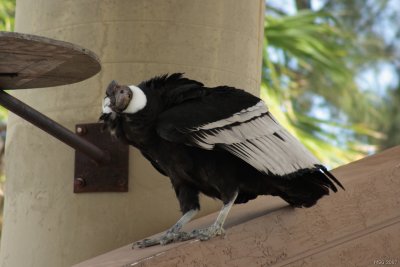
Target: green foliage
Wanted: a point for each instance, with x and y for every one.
(7, 11)
(3, 117)
(391, 127)
(306, 60)
(377, 39)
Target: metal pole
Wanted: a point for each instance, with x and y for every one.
(53, 128)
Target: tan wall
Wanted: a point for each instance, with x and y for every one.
(45, 223)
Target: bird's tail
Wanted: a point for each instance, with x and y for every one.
(305, 187)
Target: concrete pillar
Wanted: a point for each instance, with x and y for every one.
(45, 223)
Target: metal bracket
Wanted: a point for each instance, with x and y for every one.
(29, 61)
(91, 176)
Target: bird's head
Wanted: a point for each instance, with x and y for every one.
(123, 99)
(117, 97)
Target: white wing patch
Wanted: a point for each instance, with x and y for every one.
(241, 116)
(256, 137)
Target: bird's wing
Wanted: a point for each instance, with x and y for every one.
(250, 133)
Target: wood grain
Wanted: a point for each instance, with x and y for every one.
(29, 61)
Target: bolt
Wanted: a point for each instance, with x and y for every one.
(121, 182)
(79, 182)
(81, 130)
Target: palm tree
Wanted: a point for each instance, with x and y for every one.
(307, 72)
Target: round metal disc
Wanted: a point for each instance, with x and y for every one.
(29, 61)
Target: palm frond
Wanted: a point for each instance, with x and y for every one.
(305, 57)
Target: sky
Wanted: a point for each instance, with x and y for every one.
(380, 78)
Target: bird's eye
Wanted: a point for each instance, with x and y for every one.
(121, 91)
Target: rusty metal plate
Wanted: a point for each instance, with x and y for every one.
(93, 177)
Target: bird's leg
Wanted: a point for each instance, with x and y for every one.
(217, 227)
(172, 235)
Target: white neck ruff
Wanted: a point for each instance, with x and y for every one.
(138, 101)
(106, 105)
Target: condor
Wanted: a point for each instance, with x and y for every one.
(222, 142)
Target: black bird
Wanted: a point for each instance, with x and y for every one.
(222, 142)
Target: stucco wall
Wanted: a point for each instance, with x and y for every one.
(45, 223)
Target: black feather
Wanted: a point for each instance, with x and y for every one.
(162, 132)
(330, 175)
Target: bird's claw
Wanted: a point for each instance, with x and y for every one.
(171, 237)
(167, 238)
(145, 243)
(207, 233)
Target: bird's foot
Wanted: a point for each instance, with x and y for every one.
(207, 233)
(167, 238)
